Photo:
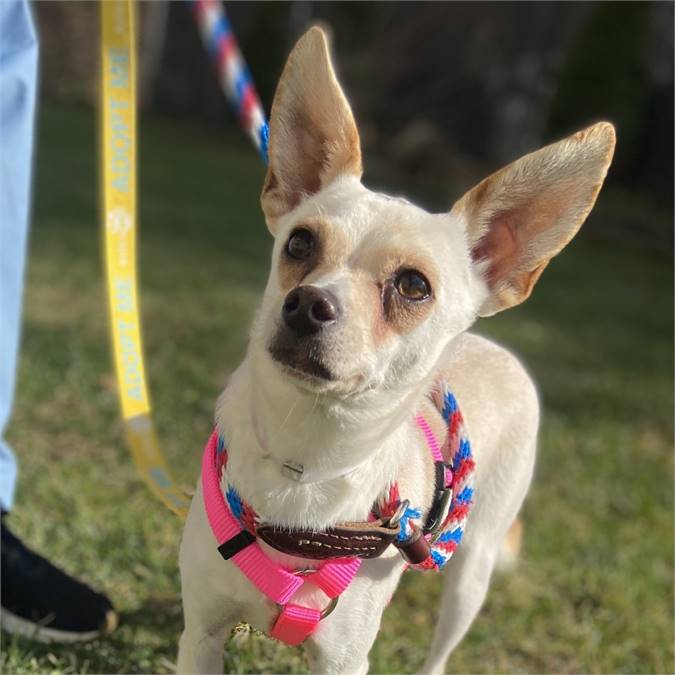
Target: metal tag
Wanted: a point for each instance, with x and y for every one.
(292, 470)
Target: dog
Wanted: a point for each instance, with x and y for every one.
(367, 306)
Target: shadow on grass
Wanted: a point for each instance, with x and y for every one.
(164, 614)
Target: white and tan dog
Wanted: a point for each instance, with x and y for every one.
(367, 304)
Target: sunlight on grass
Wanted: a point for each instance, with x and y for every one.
(593, 592)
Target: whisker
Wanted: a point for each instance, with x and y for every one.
(290, 412)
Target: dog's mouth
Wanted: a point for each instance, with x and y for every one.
(301, 363)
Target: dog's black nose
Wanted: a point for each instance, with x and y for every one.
(307, 309)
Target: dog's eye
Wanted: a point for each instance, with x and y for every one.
(412, 285)
(300, 244)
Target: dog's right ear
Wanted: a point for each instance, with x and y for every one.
(313, 136)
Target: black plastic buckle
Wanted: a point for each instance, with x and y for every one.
(237, 543)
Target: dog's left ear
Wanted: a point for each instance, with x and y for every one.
(313, 136)
(522, 216)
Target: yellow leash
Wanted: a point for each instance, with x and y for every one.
(118, 173)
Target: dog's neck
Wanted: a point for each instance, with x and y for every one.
(349, 450)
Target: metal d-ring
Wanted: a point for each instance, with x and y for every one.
(398, 514)
(330, 607)
(328, 610)
(305, 571)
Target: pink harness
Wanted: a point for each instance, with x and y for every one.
(295, 622)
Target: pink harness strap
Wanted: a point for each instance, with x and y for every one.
(334, 577)
(430, 438)
(434, 446)
(272, 579)
(295, 622)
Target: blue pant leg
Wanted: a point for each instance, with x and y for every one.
(18, 75)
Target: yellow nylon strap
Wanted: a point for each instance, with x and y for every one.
(118, 172)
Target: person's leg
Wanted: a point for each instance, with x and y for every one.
(38, 599)
(18, 76)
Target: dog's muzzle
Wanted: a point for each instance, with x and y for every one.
(307, 313)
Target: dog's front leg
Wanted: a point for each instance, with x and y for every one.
(208, 625)
(337, 648)
(202, 653)
(465, 586)
(209, 609)
(343, 640)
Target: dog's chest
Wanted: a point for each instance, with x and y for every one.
(403, 458)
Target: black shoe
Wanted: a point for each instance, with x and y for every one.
(41, 602)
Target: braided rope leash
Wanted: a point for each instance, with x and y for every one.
(457, 448)
(233, 73)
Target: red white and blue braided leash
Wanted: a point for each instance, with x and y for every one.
(233, 73)
(457, 450)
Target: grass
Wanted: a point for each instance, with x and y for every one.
(594, 591)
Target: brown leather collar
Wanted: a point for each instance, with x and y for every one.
(345, 540)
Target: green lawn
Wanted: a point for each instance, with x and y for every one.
(594, 590)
